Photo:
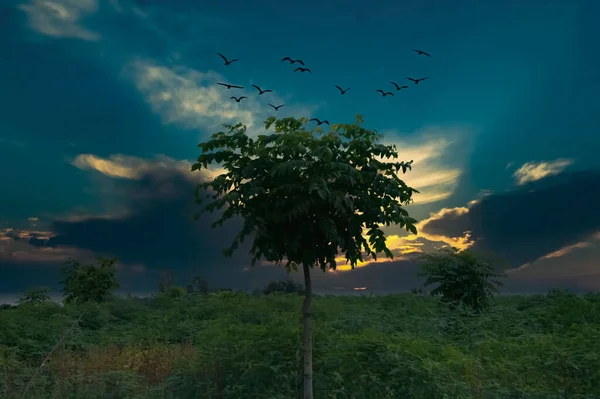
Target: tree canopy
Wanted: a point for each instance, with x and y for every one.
(305, 194)
(83, 283)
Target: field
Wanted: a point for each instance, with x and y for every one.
(243, 346)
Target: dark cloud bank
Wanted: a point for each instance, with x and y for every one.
(525, 224)
(159, 233)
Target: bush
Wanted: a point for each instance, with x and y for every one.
(461, 277)
(284, 287)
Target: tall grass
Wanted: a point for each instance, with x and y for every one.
(240, 346)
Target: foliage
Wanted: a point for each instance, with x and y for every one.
(174, 291)
(399, 346)
(284, 287)
(166, 281)
(305, 194)
(83, 283)
(198, 285)
(461, 277)
(35, 296)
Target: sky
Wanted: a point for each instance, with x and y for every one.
(103, 103)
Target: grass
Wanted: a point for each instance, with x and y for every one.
(242, 346)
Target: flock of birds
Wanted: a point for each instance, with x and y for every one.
(303, 69)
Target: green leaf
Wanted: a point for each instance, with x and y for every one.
(322, 193)
(412, 228)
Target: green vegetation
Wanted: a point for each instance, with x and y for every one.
(83, 283)
(233, 345)
(304, 196)
(462, 277)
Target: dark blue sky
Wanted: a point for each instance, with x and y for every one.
(102, 104)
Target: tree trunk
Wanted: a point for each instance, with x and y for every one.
(308, 370)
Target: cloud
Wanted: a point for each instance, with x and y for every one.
(156, 232)
(127, 167)
(527, 223)
(434, 173)
(61, 19)
(27, 246)
(192, 99)
(533, 171)
(13, 142)
(551, 270)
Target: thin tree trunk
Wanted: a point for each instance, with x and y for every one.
(308, 369)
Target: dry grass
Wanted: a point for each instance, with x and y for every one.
(148, 367)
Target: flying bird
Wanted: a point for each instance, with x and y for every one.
(230, 86)
(419, 52)
(292, 61)
(342, 91)
(417, 80)
(277, 107)
(399, 87)
(319, 122)
(383, 93)
(239, 99)
(261, 91)
(303, 70)
(227, 62)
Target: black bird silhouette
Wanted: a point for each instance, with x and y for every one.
(303, 70)
(227, 62)
(319, 122)
(292, 61)
(417, 80)
(277, 107)
(342, 90)
(383, 93)
(230, 86)
(239, 99)
(261, 91)
(419, 52)
(399, 87)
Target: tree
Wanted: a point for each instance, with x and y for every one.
(461, 276)
(174, 291)
(305, 196)
(83, 283)
(284, 287)
(198, 286)
(166, 281)
(35, 296)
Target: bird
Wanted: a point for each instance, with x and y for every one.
(319, 122)
(227, 62)
(342, 91)
(417, 80)
(419, 52)
(277, 107)
(292, 61)
(303, 70)
(383, 93)
(399, 87)
(239, 99)
(230, 86)
(261, 91)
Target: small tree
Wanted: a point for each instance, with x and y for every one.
(461, 276)
(174, 291)
(83, 283)
(305, 196)
(198, 286)
(35, 296)
(284, 287)
(166, 281)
